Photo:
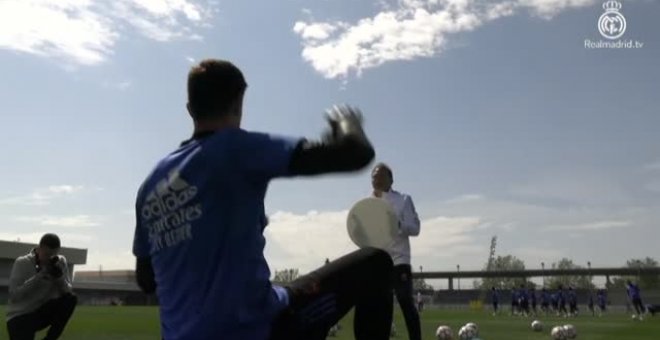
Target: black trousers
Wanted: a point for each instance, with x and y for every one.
(318, 300)
(638, 305)
(403, 289)
(54, 314)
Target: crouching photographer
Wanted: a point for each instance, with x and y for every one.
(40, 294)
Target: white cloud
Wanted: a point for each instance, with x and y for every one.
(305, 241)
(42, 196)
(599, 225)
(465, 198)
(60, 221)
(108, 260)
(446, 237)
(550, 8)
(85, 31)
(409, 30)
(75, 240)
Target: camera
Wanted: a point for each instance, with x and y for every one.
(53, 268)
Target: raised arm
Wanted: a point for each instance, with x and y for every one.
(344, 148)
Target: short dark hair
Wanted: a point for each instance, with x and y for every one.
(386, 168)
(213, 85)
(49, 240)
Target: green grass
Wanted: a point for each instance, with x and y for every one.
(137, 323)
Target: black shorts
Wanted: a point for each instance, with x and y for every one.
(318, 300)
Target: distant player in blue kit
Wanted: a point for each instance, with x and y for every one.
(554, 299)
(200, 219)
(572, 302)
(635, 297)
(601, 297)
(545, 301)
(532, 299)
(590, 303)
(495, 299)
(561, 301)
(515, 302)
(523, 300)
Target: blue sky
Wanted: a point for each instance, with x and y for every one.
(493, 114)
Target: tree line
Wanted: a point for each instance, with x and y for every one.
(510, 262)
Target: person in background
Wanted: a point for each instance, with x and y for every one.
(494, 299)
(635, 296)
(382, 179)
(40, 292)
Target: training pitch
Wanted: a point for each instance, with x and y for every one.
(138, 323)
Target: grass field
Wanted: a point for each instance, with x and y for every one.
(138, 323)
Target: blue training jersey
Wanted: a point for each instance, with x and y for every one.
(633, 291)
(200, 217)
(545, 297)
(495, 296)
(561, 297)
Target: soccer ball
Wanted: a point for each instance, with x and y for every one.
(474, 326)
(443, 333)
(333, 330)
(558, 333)
(467, 333)
(571, 332)
(537, 326)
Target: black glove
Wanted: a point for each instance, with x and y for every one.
(53, 268)
(344, 147)
(345, 121)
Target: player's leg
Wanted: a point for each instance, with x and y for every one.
(318, 300)
(22, 327)
(526, 305)
(403, 288)
(639, 308)
(57, 315)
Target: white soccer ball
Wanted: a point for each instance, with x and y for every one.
(333, 330)
(467, 333)
(571, 332)
(558, 333)
(474, 326)
(537, 326)
(443, 333)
